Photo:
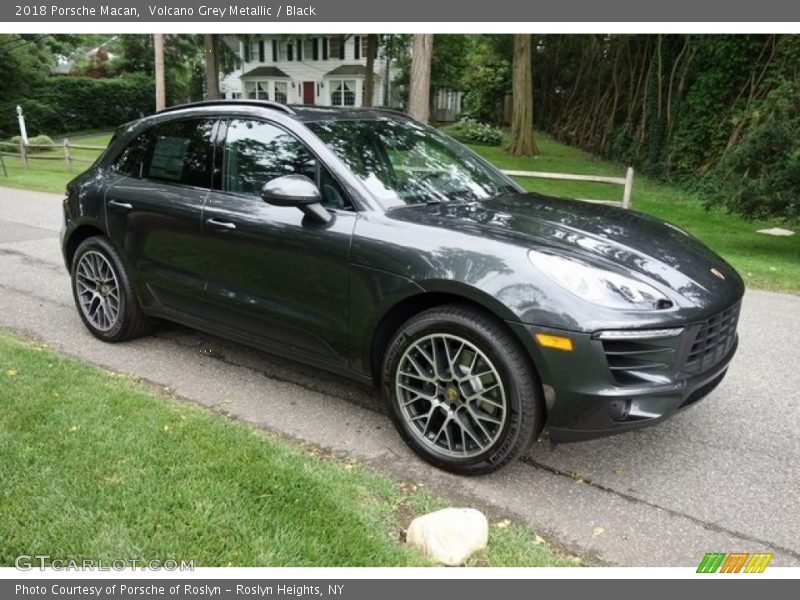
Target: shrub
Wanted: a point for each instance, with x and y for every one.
(36, 140)
(470, 131)
(63, 104)
(760, 176)
(39, 140)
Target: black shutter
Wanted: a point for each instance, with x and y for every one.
(246, 51)
(289, 51)
(324, 48)
(357, 47)
(341, 47)
(315, 48)
(299, 49)
(261, 51)
(274, 50)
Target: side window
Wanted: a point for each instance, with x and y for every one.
(257, 152)
(182, 152)
(131, 161)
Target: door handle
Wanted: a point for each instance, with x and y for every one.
(220, 224)
(117, 204)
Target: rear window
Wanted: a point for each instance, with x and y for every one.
(178, 152)
(182, 152)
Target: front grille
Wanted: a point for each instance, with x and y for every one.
(713, 342)
(635, 362)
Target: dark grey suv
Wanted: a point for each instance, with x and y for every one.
(362, 242)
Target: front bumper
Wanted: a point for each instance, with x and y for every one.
(589, 395)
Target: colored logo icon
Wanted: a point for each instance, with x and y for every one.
(734, 562)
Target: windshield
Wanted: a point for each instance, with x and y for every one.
(403, 162)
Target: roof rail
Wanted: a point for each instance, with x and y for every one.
(261, 103)
(391, 111)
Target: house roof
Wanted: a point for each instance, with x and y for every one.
(349, 70)
(265, 72)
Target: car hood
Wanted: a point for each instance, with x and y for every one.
(630, 241)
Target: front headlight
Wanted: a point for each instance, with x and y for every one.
(605, 288)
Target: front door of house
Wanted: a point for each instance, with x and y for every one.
(308, 92)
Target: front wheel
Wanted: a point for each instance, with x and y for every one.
(461, 391)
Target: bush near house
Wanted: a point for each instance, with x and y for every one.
(33, 142)
(470, 131)
(61, 104)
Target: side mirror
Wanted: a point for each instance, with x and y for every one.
(298, 191)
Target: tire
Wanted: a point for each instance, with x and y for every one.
(99, 280)
(461, 391)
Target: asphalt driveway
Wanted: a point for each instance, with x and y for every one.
(722, 476)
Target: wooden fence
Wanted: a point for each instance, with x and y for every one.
(26, 152)
(626, 181)
(66, 147)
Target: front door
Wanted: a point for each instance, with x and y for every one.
(274, 274)
(308, 92)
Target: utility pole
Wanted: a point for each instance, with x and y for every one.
(211, 66)
(161, 96)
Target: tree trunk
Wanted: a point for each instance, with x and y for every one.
(522, 139)
(369, 80)
(211, 57)
(420, 92)
(158, 45)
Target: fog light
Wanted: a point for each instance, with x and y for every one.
(554, 341)
(619, 409)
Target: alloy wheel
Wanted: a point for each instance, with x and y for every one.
(98, 290)
(451, 395)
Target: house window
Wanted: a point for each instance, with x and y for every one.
(235, 95)
(257, 90)
(254, 52)
(336, 47)
(343, 92)
(308, 50)
(281, 92)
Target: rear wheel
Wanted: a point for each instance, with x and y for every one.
(103, 293)
(461, 391)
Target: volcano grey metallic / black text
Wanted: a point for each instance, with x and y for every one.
(364, 243)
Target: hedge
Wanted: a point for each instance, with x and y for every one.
(66, 104)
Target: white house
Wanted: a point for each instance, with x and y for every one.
(314, 70)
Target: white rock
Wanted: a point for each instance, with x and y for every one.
(777, 231)
(449, 536)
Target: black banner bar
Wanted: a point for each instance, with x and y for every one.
(388, 589)
(463, 11)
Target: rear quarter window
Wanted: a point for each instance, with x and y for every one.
(131, 161)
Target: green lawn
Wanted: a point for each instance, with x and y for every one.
(94, 465)
(764, 261)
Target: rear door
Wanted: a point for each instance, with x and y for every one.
(154, 210)
(273, 273)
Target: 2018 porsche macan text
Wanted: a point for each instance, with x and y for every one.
(362, 242)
